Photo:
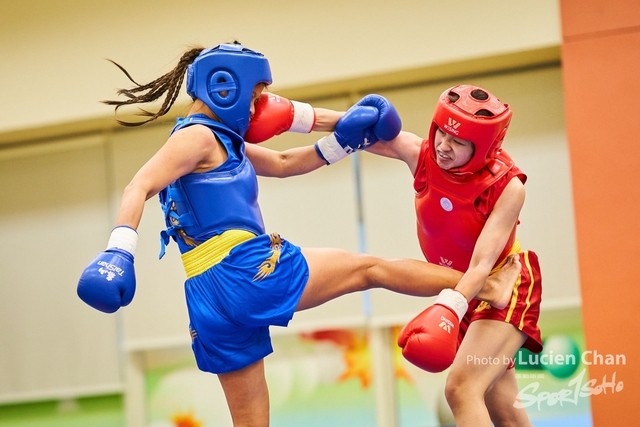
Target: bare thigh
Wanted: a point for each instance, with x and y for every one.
(332, 273)
(247, 395)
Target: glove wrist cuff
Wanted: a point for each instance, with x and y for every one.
(455, 300)
(304, 117)
(330, 149)
(125, 238)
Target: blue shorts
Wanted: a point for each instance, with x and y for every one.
(232, 304)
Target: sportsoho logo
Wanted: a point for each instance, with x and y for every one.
(452, 126)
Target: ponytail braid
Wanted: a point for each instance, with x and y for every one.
(168, 84)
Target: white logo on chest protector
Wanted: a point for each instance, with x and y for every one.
(446, 204)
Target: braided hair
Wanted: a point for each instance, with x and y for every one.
(168, 85)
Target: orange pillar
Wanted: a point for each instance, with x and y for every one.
(601, 73)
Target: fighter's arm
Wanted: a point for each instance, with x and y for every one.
(282, 164)
(187, 150)
(326, 119)
(493, 238)
(364, 124)
(405, 147)
(294, 161)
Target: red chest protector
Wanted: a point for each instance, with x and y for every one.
(451, 211)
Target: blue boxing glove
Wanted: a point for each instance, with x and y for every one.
(109, 281)
(349, 134)
(372, 119)
(388, 125)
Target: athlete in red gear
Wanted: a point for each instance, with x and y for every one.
(469, 194)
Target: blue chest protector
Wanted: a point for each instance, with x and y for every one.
(199, 206)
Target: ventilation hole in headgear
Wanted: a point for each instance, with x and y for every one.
(223, 93)
(479, 95)
(484, 113)
(453, 97)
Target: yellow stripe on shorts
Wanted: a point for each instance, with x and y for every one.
(530, 291)
(515, 249)
(211, 252)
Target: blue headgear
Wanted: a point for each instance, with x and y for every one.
(223, 77)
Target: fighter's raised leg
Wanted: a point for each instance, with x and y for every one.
(336, 272)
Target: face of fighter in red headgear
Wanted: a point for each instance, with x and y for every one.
(468, 114)
(451, 152)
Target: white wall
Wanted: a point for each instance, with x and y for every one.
(56, 217)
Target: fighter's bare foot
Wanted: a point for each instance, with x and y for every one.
(498, 288)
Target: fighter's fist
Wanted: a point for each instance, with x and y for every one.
(109, 281)
(364, 124)
(388, 125)
(430, 340)
(275, 115)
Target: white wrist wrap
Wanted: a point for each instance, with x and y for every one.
(125, 238)
(331, 148)
(454, 300)
(304, 117)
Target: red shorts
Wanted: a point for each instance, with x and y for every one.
(522, 311)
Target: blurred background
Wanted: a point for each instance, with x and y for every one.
(564, 67)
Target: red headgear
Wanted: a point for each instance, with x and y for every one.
(471, 113)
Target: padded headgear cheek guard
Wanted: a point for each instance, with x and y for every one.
(224, 77)
(471, 113)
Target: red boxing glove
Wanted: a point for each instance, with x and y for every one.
(275, 114)
(430, 340)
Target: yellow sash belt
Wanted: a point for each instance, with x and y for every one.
(211, 252)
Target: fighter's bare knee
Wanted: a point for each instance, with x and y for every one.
(358, 268)
(460, 387)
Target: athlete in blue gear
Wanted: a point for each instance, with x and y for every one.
(241, 280)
